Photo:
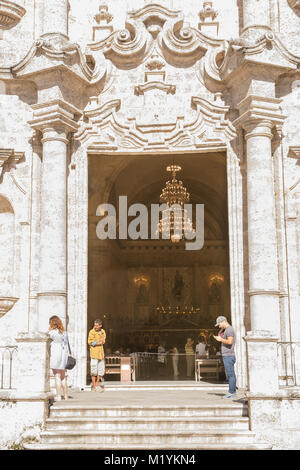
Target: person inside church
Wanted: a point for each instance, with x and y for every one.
(175, 359)
(161, 359)
(190, 357)
(200, 348)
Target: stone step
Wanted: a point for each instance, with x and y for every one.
(130, 446)
(147, 424)
(62, 410)
(163, 438)
(156, 386)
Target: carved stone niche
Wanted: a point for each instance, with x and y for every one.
(6, 304)
(7, 241)
(11, 14)
(294, 3)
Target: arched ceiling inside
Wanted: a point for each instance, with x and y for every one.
(142, 177)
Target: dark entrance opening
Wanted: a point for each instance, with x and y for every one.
(152, 293)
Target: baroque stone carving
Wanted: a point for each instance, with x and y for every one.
(11, 14)
(154, 24)
(294, 151)
(103, 129)
(103, 28)
(207, 16)
(103, 15)
(6, 304)
(208, 12)
(294, 4)
(9, 158)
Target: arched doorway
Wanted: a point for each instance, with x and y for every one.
(153, 291)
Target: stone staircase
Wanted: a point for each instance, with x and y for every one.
(77, 426)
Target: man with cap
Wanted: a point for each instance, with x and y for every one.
(227, 350)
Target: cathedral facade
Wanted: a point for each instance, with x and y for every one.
(97, 99)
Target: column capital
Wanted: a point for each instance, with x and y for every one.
(259, 111)
(55, 115)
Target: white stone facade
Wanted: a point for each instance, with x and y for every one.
(127, 78)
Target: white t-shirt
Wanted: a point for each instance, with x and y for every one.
(200, 349)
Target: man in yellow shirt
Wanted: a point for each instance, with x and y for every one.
(96, 339)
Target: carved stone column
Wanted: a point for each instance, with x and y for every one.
(256, 18)
(262, 242)
(55, 21)
(55, 120)
(258, 116)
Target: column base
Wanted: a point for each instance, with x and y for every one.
(262, 358)
(33, 365)
(275, 419)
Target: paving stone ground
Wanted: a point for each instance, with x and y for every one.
(154, 397)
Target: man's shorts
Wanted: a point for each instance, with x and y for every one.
(97, 367)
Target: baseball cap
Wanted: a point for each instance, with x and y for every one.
(219, 320)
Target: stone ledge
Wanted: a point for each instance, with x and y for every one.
(32, 337)
(261, 336)
(13, 396)
(284, 394)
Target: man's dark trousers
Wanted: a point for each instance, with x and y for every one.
(229, 362)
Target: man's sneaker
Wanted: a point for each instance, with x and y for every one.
(93, 389)
(100, 389)
(102, 384)
(230, 395)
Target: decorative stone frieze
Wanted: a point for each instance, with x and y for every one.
(209, 127)
(155, 63)
(180, 43)
(167, 88)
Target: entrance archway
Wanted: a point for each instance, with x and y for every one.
(153, 291)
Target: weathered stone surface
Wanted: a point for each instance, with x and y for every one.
(217, 80)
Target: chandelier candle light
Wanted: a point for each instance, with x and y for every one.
(175, 221)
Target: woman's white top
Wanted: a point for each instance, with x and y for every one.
(58, 349)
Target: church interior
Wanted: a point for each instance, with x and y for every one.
(152, 292)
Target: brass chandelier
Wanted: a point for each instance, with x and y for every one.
(174, 223)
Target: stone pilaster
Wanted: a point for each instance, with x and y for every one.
(258, 116)
(55, 120)
(256, 18)
(35, 230)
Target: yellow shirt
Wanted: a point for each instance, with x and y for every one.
(96, 352)
(189, 348)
